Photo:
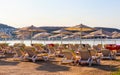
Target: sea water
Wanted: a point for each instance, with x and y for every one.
(84, 41)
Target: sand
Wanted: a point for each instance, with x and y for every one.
(10, 67)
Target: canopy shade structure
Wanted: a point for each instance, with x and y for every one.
(81, 28)
(115, 34)
(98, 34)
(61, 32)
(31, 29)
(56, 36)
(4, 36)
(41, 35)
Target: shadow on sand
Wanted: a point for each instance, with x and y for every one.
(52, 67)
(12, 63)
(4, 62)
(111, 68)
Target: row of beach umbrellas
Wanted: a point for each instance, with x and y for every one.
(80, 31)
(30, 30)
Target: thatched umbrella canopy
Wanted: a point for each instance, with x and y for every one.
(78, 33)
(21, 34)
(101, 32)
(71, 37)
(41, 35)
(81, 28)
(56, 36)
(115, 34)
(31, 29)
(61, 32)
(4, 36)
(98, 34)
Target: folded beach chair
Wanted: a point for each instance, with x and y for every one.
(85, 57)
(33, 55)
(107, 54)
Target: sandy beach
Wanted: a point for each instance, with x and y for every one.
(10, 67)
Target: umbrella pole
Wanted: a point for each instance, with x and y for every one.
(22, 40)
(80, 37)
(31, 37)
(44, 40)
(61, 39)
(101, 42)
(5, 40)
(93, 41)
(115, 41)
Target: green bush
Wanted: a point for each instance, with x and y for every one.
(116, 73)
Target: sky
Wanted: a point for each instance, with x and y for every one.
(94, 13)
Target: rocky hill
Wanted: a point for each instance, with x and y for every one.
(108, 29)
(7, 29)
(6, 26)
(50, 29)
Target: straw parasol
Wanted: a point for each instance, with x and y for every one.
(98, 34)
(115, 34)
(41, 35)
(56, 36)
(4, 36)
(22, 34)
(61, 32)
(31, 29)
(81, 28)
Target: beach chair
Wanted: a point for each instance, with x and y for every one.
(68, 58)
(118, 52)
(85, 57)
(33, 55)
(106, 54)
(18, 53)
(95, 56)
(53, 52)
(39, 48)
(117, 49)
(2, 52)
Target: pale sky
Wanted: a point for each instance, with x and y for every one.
(21, 13)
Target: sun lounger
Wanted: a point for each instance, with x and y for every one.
(107, 54)
(85, 57)
(118, 52)
(19, 53)
(39, 48)
(68, 57)
(95, 56)
(33, 55)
